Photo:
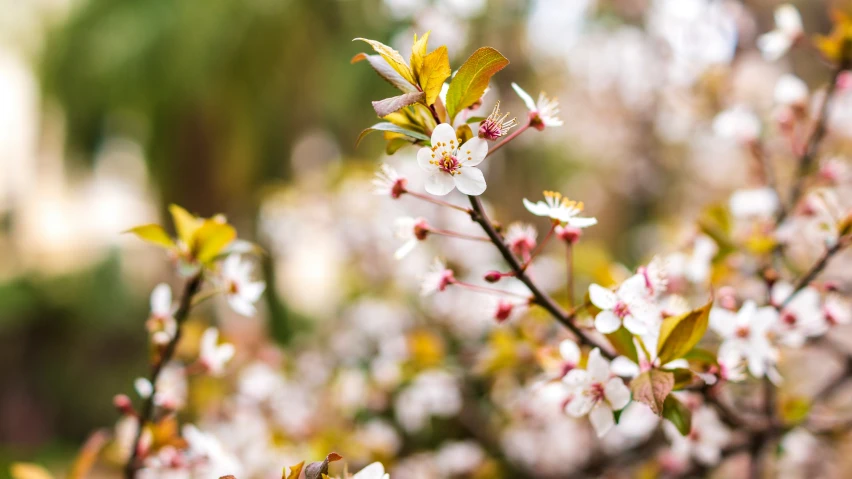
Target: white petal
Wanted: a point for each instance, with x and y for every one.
(635, 325)
(440, 183)
(788, 20)
(241, 306)
(723, 321)
(602, 297)
(580, 405)
(597, 366)
(623, 366)
(617, 393)
(225, 352)
(442, 136)
(539, 208)
(406, 248)
(471, 181)
(209, 341)
(570, 351)
(374, 471)
(161, 300)
(607, 322)
(143, 387)
(473, 152)
(251, 291)
(601, 419)
(581, 222)
(528, 101)
(774, 45)
(424, 157)
(576, 379)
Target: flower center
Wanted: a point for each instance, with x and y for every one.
(742, 332)
(233, 287)
(449, 163)
(621, 310)
(788, 318)
(596, 391)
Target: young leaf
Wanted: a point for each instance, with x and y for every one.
(387, 126)
(472, 79)
(436, 70)
(679, 334)
(678, 414)
(622, 341)
(26, 470)
(393, 58)
(652, 387)
(394, 144)
(683, 378)
(295, 471)
(153, 234)
(316, 470)
(386, 71)
(211, 238)
(418, 54)
(185, 223)
(389, 105)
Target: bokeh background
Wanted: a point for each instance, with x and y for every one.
(110, 110)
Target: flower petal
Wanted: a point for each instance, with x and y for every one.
(623, 366)
(597, 366)
(569, 351)
(607, 322)
(580, 405)
(161, 300)
(251, 291)
(539, 208)
(528, 101)
(241, 306)
(602, 297)
(424, 157)
(473, 152)
(576, 379)
(442, 137)
(635, 325)
(581, 222)
(440, 183)
(406, 248)
(601, 419)
(470, 181)
(617, 393)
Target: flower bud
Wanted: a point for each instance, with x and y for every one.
(569, 234)
(123, 404)
(504, 310)
(493, 276)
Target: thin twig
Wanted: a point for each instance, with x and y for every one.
(146, 415)
(815, 270)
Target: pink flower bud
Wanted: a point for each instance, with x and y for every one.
(569, 234)
(493, 276)
(504, 310)
(123, 404)
(421, 229)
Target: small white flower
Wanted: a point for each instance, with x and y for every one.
(437, 278)
(388, 182)
(790, 90)
(754, 203)
(162, 311)
(788, 28)
(704, 442)
(560, 209)
(694, 267)
(828, 212)
(629, 305)
(836, 310)
(374, 471)
(143, 387)
(746, 335)
(737, 123)
(656, 277)
(521, 238)
(594, 391)
(495, 125)
(214, 355)
(543, 113)
(802, 317)
(410, 231)
(451, 164)
(240, 290)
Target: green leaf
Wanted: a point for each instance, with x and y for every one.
(475, 119)
(393, 58)
(678, 414)
(652, 387)
(389, 105)
(386, 71)
(683, 378)
(472, 79)
(701, 356)
(679, 334)
(153, 234)
(387, 126)
(622, 341)
(436, 70)
(394, 144)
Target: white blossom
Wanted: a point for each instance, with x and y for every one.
(240, 290)
(542, 113)
(214, 356)
(560, 209)
(451, 164)
(628, 305)
(746, 335)
(788, 29)
(596, 392)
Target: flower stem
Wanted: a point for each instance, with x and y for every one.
(815, 270)
(437, 201)
(453, 234)
(146, 414)
(569, 259)
(509, 138)
(538, 248)
(486, 289)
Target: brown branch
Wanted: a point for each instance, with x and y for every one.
(146, 415)
(815, 270)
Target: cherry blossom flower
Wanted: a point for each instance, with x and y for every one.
(760, 203)
(656, 277)
(388, 182)
(746, 335)
(495, 125)
(738, 123)
(560, 209)
(161, 321)
(543, 113)
(788, 29)
(628, 305)
(240, 290)
(790, 90)
(802, 317)
(171, 387)
(437, 278)
(374, 471)
(214, 355)
(596, 393)
(704, 442)
(836, 310)
(521, 238)
(411, 231)
(451, 164)
(570, 353)
(694, 267)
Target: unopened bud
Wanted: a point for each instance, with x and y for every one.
(123, 404)
(421, 229)
(493, 276)
(504, 310)
(536, 121)
(569, 234)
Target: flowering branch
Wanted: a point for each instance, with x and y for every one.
(192, 287)
(815, 270)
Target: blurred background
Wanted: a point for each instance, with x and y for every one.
(110, 110)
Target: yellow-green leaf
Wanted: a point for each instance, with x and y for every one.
(393, 58)
(678, 414)
(185, 223)
(683, 378)
(472, 79)
(679, 334)
(387, 126)
(211, 238)
(418, 54)
(27, 470)
(386, 71)
(435, 71)
(295, 471)
(652, 387)
(390, 105)
(153, 234)
(622, 341)
(394, 144)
